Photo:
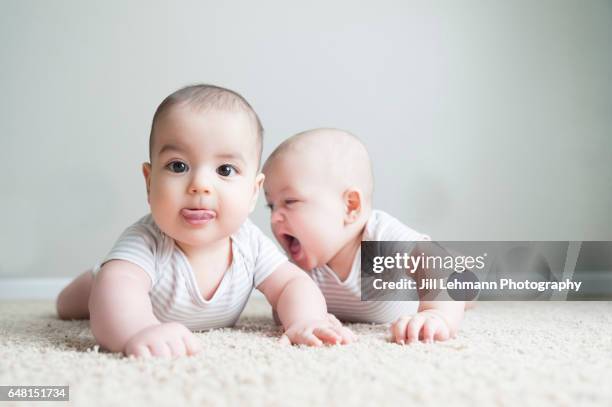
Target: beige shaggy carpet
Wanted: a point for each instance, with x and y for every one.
(508, 354)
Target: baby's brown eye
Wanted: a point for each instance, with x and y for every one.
(177, 167)
(226, 170)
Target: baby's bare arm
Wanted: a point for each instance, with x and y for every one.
(301, 308)
(293, 295)
(119, 304)
(72, 302)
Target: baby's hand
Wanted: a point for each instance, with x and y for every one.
(327, 330)
(428, 325)
(164, 340)
(331, 318)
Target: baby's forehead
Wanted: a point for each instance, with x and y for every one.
(290, 164)
(290, 173)
(298, 185)
(329, 158)
(316, 160)
(182, 126)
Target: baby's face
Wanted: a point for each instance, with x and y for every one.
(202, 182)
(307, 211)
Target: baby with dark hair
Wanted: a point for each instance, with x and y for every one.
(192, 263)
(203, 97)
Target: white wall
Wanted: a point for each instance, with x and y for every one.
(485, 120)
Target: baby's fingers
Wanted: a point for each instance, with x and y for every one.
(414, 328)
(346, 334)
(331, 318)
(310, 339)
(398, 330)
(435, 328)
(140, 351)
(430, 328)
(192, 345)
(177, 347)
(284, 340)
(306, 337)
(443, 332)
(302, 338)
(160, 349)
(327, 335)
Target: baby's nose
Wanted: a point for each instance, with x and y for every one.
(201, 184)
(204, 189)
(276, 216)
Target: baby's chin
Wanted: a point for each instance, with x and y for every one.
(197, 240)
(304, 264)
(307, 262)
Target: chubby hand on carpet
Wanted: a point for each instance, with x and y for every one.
(164, 340)
(427, 326)
(318, 332)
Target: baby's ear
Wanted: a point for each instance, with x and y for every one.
(353, 204)
(146, 171)
(259, 180)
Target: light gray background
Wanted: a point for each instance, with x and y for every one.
(485, 120)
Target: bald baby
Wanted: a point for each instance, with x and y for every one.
(319, 188)
(333, 158)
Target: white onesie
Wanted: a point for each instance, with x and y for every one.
(174, 293)
(344, 297)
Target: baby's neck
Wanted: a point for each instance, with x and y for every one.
(214, 250)
(209, 264)
(342, 262)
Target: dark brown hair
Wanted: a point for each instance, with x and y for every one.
(204, 96)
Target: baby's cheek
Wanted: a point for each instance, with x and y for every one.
(318, 229)
(235, 210)
(161, 203)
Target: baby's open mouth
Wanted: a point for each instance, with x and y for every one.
(292, 244)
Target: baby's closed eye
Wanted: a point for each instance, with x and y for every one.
(286, 203)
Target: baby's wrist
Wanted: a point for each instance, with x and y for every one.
(303, 322)
(143, 330)
(437, 313)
